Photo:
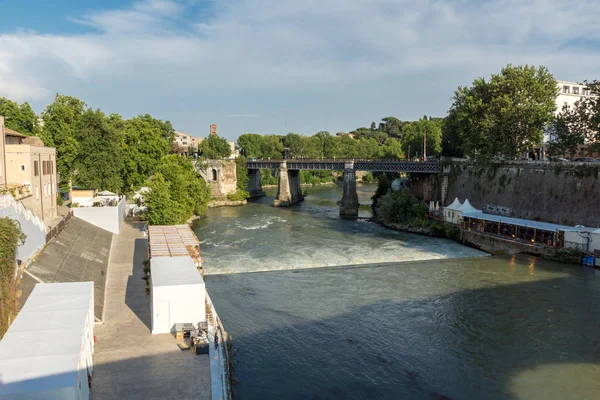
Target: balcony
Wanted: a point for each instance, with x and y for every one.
(17, 190)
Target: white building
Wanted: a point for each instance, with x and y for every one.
(47, 351)
(178, 293)
(569, 94)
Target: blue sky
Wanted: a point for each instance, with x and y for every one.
(278, 66)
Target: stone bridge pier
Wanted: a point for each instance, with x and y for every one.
(349, 203)
(289, 191)
(254, 183)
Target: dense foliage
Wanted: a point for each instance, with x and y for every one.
(103, 152)
(214, 147)
(400, 206)
(391, 139)
(241, 172)
(10, 238)
(177, 192)
(20, 118)
(504, 116)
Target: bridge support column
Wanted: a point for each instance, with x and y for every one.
(254, 184)
(289, 191)
(349, 203)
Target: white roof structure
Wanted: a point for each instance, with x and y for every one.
(525, 222)
(454, 206)
(467, 208)
(41, 350)
(106, 193)
(173, 271)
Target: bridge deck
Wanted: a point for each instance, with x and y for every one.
(429, 167)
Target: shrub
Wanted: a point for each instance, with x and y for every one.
(239, 195)
(59, 200)
(401, 207)
(10, 238)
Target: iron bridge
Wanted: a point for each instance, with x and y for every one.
(373, 165)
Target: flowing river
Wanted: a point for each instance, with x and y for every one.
(325, 308)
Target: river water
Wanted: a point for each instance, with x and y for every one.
(325, 308)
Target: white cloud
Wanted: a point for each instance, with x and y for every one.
(280, 48)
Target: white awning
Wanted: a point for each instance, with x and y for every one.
(526, 223)
(454, 206)
(467, 208)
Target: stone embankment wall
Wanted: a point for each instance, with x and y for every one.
(563, 193)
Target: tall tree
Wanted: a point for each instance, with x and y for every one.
(414, 133)
(99, 161)
(20, 118)
(146, 141)
(62, 119)
(215, 147)
(507, 115)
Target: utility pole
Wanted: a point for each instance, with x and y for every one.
(425, 144)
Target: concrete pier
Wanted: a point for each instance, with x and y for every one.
(254, 184)
(349, 203)
(289, 191)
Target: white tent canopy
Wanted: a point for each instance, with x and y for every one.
(106, 193)
(454, 206)
(178, 293)
(47, 351)
(467, 208)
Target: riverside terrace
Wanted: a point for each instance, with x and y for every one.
(289, 191)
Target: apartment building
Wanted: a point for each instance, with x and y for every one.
(569, 94)
(183, 141)
(28, 172)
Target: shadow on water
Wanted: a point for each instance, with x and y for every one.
(491, 342)
(530, 339)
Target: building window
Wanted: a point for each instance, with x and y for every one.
(37, 192)
(586, 91)
(566, 89)
(36, 168)
(44, 168)
(575, 89)
(22, 167)
(214, 174)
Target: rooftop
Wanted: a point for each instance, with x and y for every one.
(42, 347)
(173, 271)
(526, 222)
(171, 240)
(10, 132)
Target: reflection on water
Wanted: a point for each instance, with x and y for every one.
(447, 328)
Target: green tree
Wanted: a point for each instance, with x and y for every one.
(392, 126)
(391, 148)
(241, 172)
(250, 144)
(20, 118)
(400, 206)
(568, 131)
(162, 210)
(413, 137)
(146, 141)
(505, 115)
(62, 120)
(215, 147)
(99, 161)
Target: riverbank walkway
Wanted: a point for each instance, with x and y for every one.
(130, 362)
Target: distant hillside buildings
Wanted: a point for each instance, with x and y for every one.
(184, 143)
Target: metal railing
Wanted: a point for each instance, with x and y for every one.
(59, 227)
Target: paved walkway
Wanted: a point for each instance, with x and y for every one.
(130, 362)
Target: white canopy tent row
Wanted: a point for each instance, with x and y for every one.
(47, 351)
(178, 293)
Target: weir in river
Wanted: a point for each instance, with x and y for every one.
(350, 310)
